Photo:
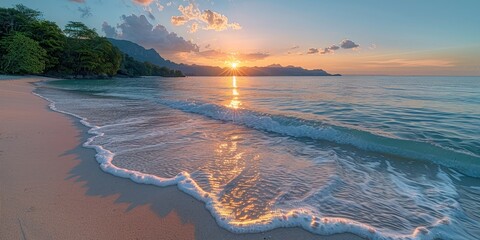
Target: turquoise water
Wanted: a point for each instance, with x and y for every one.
(382, 157)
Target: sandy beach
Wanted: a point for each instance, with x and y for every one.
(52, 188)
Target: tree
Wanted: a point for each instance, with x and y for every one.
(23, 55)
(110, 57)
(133, 68)
(79, 57)
(51, 38)
(28, 13)
(16, 19)
(86, 53)
(79, 30)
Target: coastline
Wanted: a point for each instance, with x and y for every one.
(53, 188)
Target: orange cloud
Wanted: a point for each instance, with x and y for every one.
(143, 2)
(217, 21)
(209, 19)
(194, 27)
(179, 20)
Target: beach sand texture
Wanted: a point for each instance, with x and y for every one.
(52, 188)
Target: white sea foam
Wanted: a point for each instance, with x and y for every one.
(300, 217)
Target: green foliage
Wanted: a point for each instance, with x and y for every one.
(131, 67)
(51, 38)
(22, 55)
(110, 57)
(87, 53)
(30, 45)
(27, 13)
(90, 56)
(16, 19)
(78, 30)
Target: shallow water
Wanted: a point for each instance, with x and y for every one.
(382, 157)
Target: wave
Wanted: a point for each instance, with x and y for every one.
(464, 162)
(299, 217)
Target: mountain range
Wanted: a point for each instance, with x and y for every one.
(139, 53)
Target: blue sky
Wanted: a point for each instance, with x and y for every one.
(406, 37)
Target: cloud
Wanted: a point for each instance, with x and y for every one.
(294, 50)
(138, 29)
(109, 31)
(143, 2)
(194, 27)
(77, 1)
(178, 20)
(85, 12)
(160, 7)
(344, 44)
(149, 11)
(150, 15)
(312, 51)
(330, 49)
(217, 21)
(189, 11)
(334, 47)
(208, 19)
(348, 44)
(326, 51)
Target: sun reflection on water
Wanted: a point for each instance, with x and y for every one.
(235, 178)
(235, 102)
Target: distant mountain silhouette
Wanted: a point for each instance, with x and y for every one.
(139, 53)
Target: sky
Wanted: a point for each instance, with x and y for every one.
(351, 37)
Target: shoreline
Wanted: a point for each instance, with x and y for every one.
(56, 189)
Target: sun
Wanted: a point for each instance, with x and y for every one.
(233, 65)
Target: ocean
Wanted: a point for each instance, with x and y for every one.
(382, 157)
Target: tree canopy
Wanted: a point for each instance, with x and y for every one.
(22, 55)
(50, 38)
(16, 19)
(96, 55)
(32, 45)
(79, 30)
